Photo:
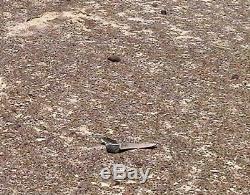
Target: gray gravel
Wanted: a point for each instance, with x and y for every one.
(182, 81)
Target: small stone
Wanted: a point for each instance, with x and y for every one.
(40, 139)
(163, 12)
(235, 77)
(114, 58)
(154, 4)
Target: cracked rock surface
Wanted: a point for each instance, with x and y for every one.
(181, 81)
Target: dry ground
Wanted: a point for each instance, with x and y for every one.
(183, 82)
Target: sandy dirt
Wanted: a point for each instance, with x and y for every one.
(182, 82)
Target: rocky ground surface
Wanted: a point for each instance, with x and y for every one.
(182, 82)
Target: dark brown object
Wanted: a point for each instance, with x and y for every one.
(163, 12)
(154, 4)
(114, 58)
(235, 77)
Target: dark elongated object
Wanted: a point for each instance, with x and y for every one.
(113, 146)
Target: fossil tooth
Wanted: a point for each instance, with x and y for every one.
(112, 146)
(130, 146)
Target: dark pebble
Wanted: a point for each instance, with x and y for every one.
(154, 4)
(163, 12)
(114, 58)
(17, 126)
(235, 77)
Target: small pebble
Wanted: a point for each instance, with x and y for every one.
(235, 77)
(154, 4)
(40, 139)
(163, 12)
(114, 58)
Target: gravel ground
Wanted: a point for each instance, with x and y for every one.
(182, 81)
